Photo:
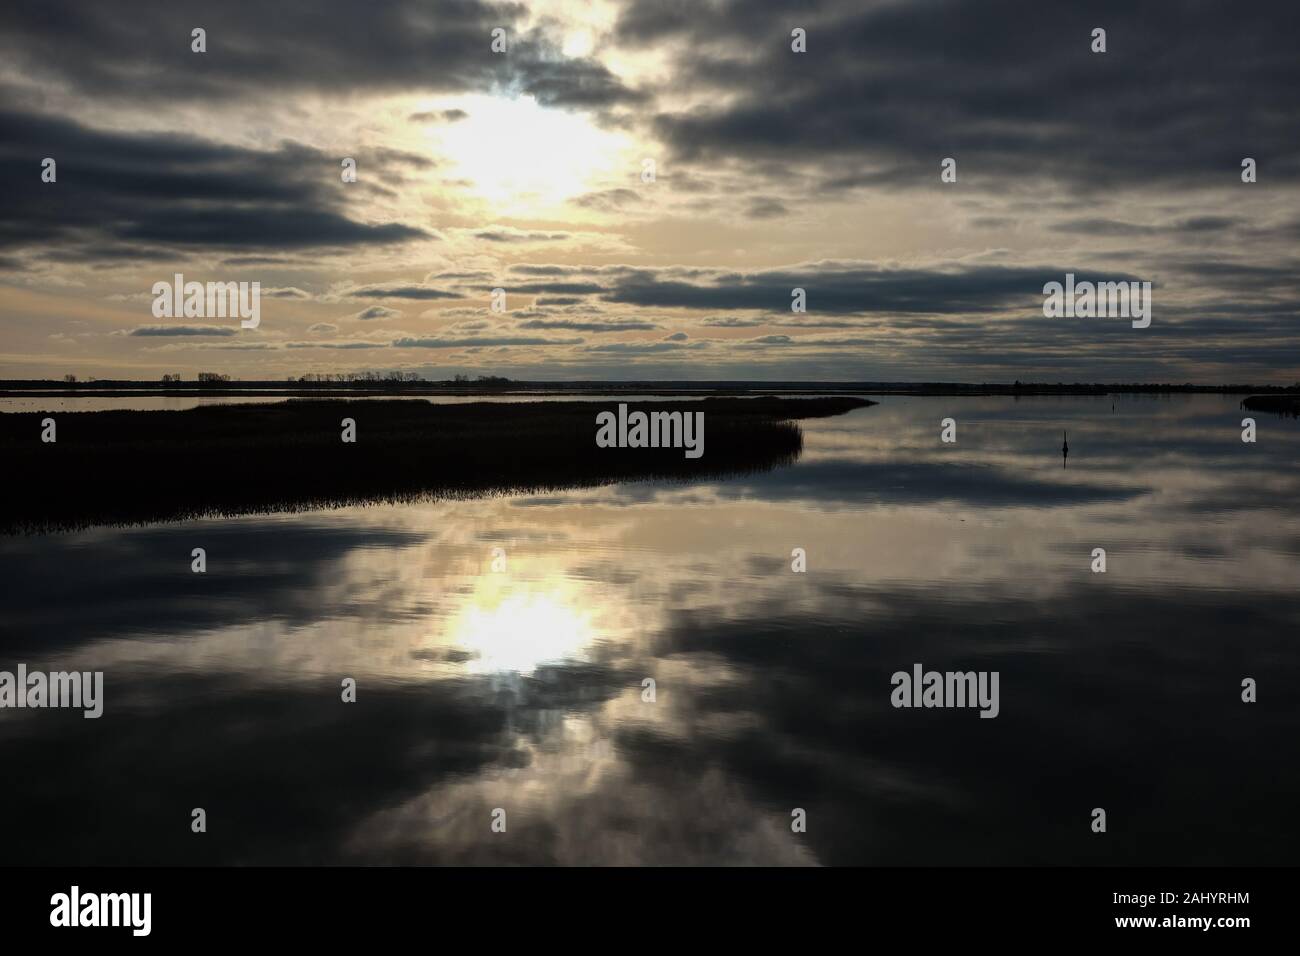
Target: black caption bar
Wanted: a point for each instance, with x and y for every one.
(135, 906)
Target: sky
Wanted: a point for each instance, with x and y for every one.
(647, 181)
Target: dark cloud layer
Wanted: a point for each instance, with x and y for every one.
(332, 48)
(860, 288)
(1010, 88)
(417, 292)
(149, 196)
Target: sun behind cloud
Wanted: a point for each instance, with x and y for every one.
(524, 159)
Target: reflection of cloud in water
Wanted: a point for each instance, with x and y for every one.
(841, 482)
(523, 689)
(576, 800)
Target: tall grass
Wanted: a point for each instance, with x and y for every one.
(1278, 404)
(125, 467)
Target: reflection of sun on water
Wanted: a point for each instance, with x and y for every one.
(518, 628)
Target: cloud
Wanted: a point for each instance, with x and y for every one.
(645, 348)
(377, 312)
(463, 276)
(434, 46)
(509, 234)
(418, 292)
(355, 344)
(608, 200)
(278, 261)
(887, 90)
(183, 330)
(765, 208)
(439, 116)
(478, 341)
(847, 288)
(238, 347)
(126, 195)
(611, 325)
(561, 288)
(546, 270)
(732, 322)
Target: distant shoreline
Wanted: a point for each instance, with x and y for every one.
(363, 389)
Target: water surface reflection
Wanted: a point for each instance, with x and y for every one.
(523, 688)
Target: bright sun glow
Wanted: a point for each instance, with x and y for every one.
(524, 157)
(520, 629)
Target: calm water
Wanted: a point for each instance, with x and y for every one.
(522, 689)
